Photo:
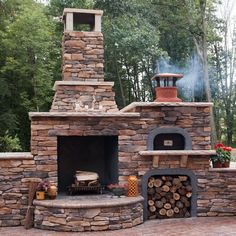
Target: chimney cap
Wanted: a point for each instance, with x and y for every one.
(86, 11)
(167, 75)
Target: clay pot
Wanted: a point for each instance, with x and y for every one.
(40, 195)
(217, 164)
(52, 192)
(226, 164)
(167, 94)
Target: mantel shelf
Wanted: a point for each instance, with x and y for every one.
(183, 154)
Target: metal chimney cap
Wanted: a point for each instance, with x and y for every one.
(167, 75)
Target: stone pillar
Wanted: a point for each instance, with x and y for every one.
(82, 45)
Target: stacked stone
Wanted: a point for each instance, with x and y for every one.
(95, 219)
(16, 169)
(84, 98)
(83, 56)
(217, 191)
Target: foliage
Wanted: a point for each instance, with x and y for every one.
(9, 143)
(26, 66)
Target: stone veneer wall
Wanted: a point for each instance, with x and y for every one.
(16, 170)
(217, 192)
(84, 97)
(83, 56)
(88, 219)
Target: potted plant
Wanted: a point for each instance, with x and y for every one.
(222, 157)
(117, 189)
(42, 188)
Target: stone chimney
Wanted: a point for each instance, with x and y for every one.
(83, 88)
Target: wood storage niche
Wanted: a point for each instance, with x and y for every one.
(169, 196)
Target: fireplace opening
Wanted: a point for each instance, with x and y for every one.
(97, 154)
(169, 141)
(169, 193)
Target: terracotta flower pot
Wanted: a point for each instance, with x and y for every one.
(217, 164)
(226, 164)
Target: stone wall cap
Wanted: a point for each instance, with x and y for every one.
(161, 104)
(82, 83)
(83, 114)
(231, 169)
(177, 152)
(87, 11)
(70, 202)
(15, 156)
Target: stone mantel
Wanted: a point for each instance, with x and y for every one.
(83, 83)
(134, 105)
(183, 154)
(83, 114)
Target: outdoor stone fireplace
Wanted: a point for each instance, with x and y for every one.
(164, 143)
(85, 131)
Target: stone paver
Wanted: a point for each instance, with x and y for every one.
(210, 226)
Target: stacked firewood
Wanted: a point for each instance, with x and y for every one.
(169, 197)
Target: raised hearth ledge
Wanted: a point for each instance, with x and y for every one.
(69, 202)
(183, 154)
(16, 156)
(83, 114)
(82, 83)
(160, 104)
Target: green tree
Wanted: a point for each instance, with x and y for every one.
(26, 69)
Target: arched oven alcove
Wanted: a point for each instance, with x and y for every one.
(169, 138)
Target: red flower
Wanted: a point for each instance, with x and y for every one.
(219, 145)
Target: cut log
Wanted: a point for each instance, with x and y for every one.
(176, 196)
(158, 196)
(183, 178)
(151, 180)
(172, 201)
(179, 204)
(158, 190)
(152, 208)
(169, 196)
(176, 210)
(163, 200)
(189, 194)
(182, 191)
(163, 178)
(170, 212)
(158, 182)
(159, 204)
(151, 191)
(187, 204)
(150, 184)
(162, 212)
(167, 206)
(173, 189)
(187, 214)
(168, 183)
(184, 199)
(151, 203)
(176, 181)
(152, 217)
(189, 188)
(163, 194)
(165, 188)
